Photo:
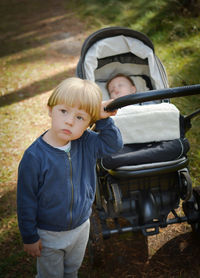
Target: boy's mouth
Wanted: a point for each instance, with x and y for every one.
(67, 131)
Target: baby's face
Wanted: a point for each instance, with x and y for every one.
(120, 86)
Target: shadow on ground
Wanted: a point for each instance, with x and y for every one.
(34, 89)
(126, 257)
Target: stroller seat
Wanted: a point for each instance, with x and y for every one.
(151, 134)
(123, 51)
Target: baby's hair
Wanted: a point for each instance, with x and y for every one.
(78, 92)
(119, 75)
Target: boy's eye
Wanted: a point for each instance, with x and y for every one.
(63, 111)
(80, 118)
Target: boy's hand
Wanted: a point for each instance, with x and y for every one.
(105, 114)
(34, 249)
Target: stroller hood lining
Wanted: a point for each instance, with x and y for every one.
(120, 45)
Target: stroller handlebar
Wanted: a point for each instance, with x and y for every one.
(153, 95)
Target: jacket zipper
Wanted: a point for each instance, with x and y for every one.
(72, 186)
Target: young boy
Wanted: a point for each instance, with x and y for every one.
(120, 85)
(56, 178)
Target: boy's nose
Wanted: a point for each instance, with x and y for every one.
(69, 120)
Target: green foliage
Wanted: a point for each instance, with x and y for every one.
(151, 17)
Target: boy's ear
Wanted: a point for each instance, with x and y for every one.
(49, 110)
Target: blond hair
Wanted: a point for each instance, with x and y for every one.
(78, 92)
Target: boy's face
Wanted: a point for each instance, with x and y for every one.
(68, 123)
(120, 86)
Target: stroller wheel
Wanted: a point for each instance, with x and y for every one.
(186, 186)
(196, 226)
(95, 243)
(191, 209)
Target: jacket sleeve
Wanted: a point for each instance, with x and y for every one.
(108, 138)
(27, 187)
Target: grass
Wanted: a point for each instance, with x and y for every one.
(30, 69)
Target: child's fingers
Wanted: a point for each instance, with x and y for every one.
(33, 249)
(113, 113)
(105, 114)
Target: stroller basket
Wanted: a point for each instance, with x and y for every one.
(144, 195)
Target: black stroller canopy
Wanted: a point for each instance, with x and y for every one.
(106, 33)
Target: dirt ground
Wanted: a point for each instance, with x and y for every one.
(173, 252)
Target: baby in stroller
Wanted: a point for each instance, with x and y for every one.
(145, 181)
(120, 85)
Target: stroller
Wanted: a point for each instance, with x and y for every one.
(138, 187)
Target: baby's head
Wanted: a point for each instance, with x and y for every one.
(120, 85)
(84, 94)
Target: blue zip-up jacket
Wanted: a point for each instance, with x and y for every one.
(56, 189)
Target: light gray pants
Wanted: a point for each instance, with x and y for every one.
(62, 252)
